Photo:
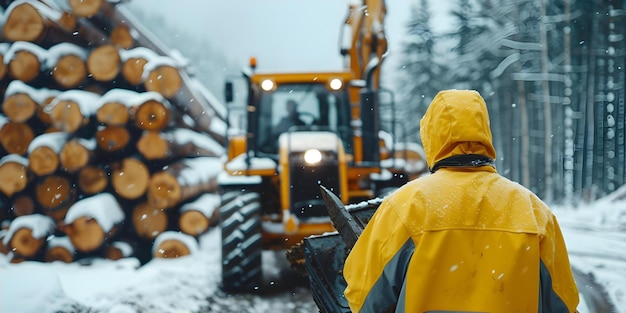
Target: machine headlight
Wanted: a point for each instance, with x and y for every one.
(267, 84)
(336, 84)
(312, 156)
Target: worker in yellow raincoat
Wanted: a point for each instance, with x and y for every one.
(463, 239)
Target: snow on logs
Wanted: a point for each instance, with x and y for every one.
(108, 148)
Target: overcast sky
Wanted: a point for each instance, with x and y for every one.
(284, 35)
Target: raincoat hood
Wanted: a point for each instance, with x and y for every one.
(456, 123)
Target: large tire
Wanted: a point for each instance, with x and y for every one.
(240, 216)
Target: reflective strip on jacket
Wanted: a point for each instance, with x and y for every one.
(463, 239)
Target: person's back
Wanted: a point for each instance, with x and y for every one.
(463, 239)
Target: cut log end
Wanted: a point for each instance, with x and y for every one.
(19, 107)
(92, 180)
(43, 161)
(164, 190)
(151, 115)
(193, 223)
(14, 178)
(148, 221)
(66, 116)
(104, 63)
(112, 138)
(24, 24)
(152, 146)
(58, 254)
(121, 37)
(112, 114)
(165, 80)
(24, 244)
(130, 178)
(170, 249)
(85, 234)
(132, 70)
(15, 137)
(74, 156)
(85, 8)
(70, 71)
(24, 66)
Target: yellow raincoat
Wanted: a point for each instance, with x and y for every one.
(463, 239)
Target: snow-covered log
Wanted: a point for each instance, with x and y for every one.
(27, 235)
(183, 180)
(43, 152)
(129, 178)
(93, 220)
(15, 137)
(177, 143)
(197, 216)
(25, 60)
(14, 173)
(172, 244)
(148, 221)
(59, 248)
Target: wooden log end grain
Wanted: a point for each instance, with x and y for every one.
(14, 177)
(24, 66)
(58, 253)
(148, 221)
(193, 223)
(74, 156)
(112, 114)
(92, 179)
(132, 70)
(104, 63)
(164, 191)
(85, 233)
(70, 71)
(24, 23)
(55, 195)
(43, 160)
(170, 249)
(66, 115)
(118, 250)
(24, 244)
(130, 178)
(164, 79)
(85, 8)
(151, 115)
(112, 138)
(15, 137)
(152, 146)
(19, 107)
(3, 67)
(23, 204)
(121, 37)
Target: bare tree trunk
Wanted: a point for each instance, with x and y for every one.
(547, 110)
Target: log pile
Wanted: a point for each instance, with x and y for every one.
(98, 157)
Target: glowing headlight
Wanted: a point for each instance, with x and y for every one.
(267, 85)
(312, 156)
(336, 84)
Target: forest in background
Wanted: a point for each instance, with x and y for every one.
(551, 71)
(552, 74)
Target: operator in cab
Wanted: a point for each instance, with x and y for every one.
(291, 119)
(464, 238)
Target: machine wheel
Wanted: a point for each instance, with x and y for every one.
(240, 215)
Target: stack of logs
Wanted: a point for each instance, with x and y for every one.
(107, 147)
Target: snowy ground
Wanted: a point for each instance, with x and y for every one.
(595, 235)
